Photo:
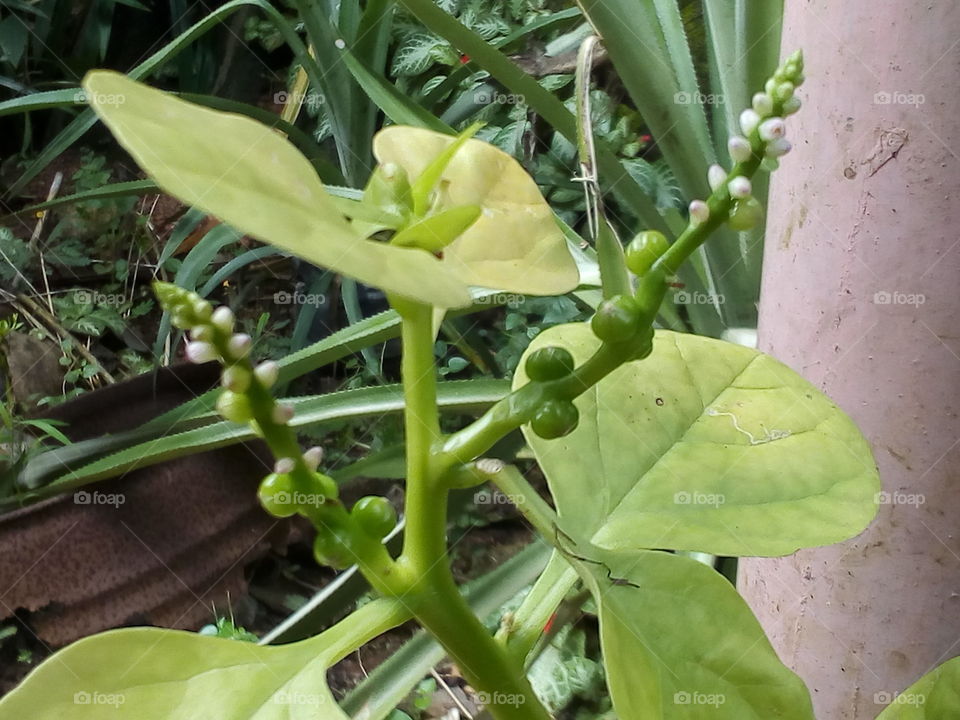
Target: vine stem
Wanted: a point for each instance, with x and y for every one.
(428, 586)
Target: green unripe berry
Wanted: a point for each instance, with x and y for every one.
(374, 515)
(234, 407)
(276, 495)
(745, 214)
(554, 419)
(616, 319)
(549, 363)
(332, 546)
(644, 250)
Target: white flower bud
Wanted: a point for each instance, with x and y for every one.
(223, 318)
(236, 378)
(749, 121)
(239, 345)
(282, 413)
(772, 129)
(716, 176)
(762, 104)
(284, 466)
(699, 212)
(740, 188)
(739, 148)
(313, 457)
(792, 105)
(267, 373)
(778, 148)
(201, 352)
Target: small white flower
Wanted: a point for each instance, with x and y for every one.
(762, 104)
(223, 318)
(778, 147)
(716, 176)
(749, 121)
(313, 457)
(239, 345)
(284, 465)
(282, 413)
(201, 352)
(699, 212)
(739, 148)
(772, 129)
(792, 105)
(740, 188)
(267, 373)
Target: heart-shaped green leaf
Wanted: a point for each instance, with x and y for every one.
(515, 245)
(684, 645)
(935, 696)
(706, 446)
(251, 177)
(155, 674)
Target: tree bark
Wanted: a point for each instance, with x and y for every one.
(860, 295)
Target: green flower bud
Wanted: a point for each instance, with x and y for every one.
(333, 546)
(549, 363)
(644, 250)
(236, 378)
(616, 319)
(745, 214)
(234, 407)
(374, 515)
(276, 495)
(554, 419)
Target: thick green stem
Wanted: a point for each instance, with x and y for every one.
(428, 587)
(425, 534)
(499, 679)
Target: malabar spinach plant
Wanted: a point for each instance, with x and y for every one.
(651, 441)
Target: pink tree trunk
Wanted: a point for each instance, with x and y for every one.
(860, 295)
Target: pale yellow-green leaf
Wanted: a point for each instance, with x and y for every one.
(685, 646)
(252, 178)
(515, 244)
(706, 446)
(156, 674)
